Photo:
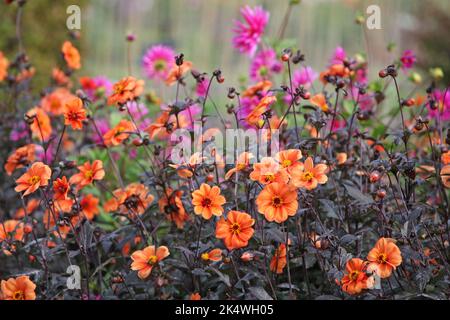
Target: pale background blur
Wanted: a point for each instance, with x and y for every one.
(202, 30)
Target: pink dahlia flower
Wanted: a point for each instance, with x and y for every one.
(408, 59)
(443, 105)
(264, 65)
(157, 61)
(338, 56)
(248, 33)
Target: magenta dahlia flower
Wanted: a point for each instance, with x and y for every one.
(408, 59)
(264, 65)
(442, 98)
(157, 61)
(338, 56)
(248, 33)
(304, 77)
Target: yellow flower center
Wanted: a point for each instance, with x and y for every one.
(235, 228)
(88, 174)
(152, 260)
(354, 275)
(382, 258)
(269, 177)
(34, 179)
(18, 295)
(241, 166)
(205, 256)
(308, 176)
(118, 88)
(160, 65)
(286, 163)
(277, 202)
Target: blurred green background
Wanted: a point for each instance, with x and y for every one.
(201, 29)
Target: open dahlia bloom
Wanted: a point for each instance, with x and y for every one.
(384, 257)
(248, 34)
(119, 133)
(88, 173)
(236, 230)
(311, 176)
(356, 279)
(407, 59)
(11, 230)
(268, 171)
(157, 61)
(20, 288)
(74, 114)
(445, 175)
(40, 126)
(277, 201)
(144, 260)
(71, 55)
(208, 201)
(37, 176)
(177, 72)
(126, 90)
(21, 157)
(255, 116)
(264, 65)
(134, 199)
(242, 163)
(442, 98)
(172, 205)
(54, 101)
(290, 159)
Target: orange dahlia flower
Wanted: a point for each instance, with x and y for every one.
(262, 86)
(277, 202)
(54, 102)
(11, 230)
(242, 163)
(144, 260)
(445, 158)
(36, 176)
(195, 296)
(290, 159)
(89, 206)
(126, 90)
(20, 288)
(20, 158)
(356, 278)
(74, 114)
(384, 257)
(60, 78)
(71, 55)
(207, 201)
(119, 133)
(279, 261)
(31, 206)
(213, 255)
(310, 176)
(254, 116)
(445, 176)
(135, 198)
(40, 123)
(170, 204)
(319, 101)
(88, 173)
(268, 171)
(236, 230)
(177, 72)
(4, 63)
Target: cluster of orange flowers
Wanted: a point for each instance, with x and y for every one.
(382, 260)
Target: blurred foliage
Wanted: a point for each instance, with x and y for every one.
(435, 51)
(43, 31)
